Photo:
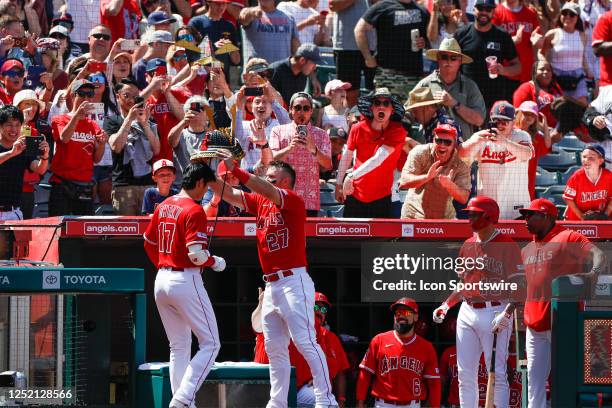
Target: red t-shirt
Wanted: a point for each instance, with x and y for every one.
(177, 223)
(74, 160)
(165, 121)
(400, 368)
(561, 252)
(527, 92)
(602, 33)
(365, 142)
(5, 98)
(585, 194)
(510, 21)
(540, 149)
(125, 23)
(281, 240)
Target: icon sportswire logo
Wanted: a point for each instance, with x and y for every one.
(343, 230)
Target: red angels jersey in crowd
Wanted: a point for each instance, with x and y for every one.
(281, 240)
(502, 260)
(586, 194)
(561, 252)
(516, 386)
(165, 120)
(176, 223)
(450, 372)
(400, 368)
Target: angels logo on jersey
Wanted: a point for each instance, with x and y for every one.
(405, 363)
(493, 156)
(273, 218)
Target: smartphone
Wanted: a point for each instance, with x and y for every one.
(21, 42)
(129, 45)
(139, 102)
(216, 64)
(32, 79)
(253, 91)
(302, 131)
(196, 107)
(96, 66)
(33, 145)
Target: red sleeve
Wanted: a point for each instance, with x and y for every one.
(351, 144)
(431, 365)
(369, 362)
(103, 7)
(150, 241)
(363, 384)
(180, 95)
(195, 227)
(602, 32)
(571, 188)
(523, 93)
(434, 389)
(341, 359)
(291, 202)
(250, 202)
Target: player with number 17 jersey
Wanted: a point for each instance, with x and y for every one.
(281, 239)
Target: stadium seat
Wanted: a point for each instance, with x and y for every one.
(571, 143)
(335, 211)
(545, 178)
(104, 209)
(558, 160)
(568, 173)
(554, 193)
(328, 197)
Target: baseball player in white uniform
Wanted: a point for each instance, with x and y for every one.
(503, 153)
(483, 314)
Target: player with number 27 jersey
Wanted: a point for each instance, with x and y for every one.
(281, 241)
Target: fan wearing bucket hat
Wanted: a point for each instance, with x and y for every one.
(426, 112)
(455, 91)
(376, 142)
(503, 153)
(588, 191)
(435, 175)
(555, 251)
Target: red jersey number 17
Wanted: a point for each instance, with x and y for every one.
(165, 232)
(278, 240)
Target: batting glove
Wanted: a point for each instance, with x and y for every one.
(219, 264)
(501, 322)
(440, 313)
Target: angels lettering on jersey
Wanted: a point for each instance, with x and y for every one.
(272, 218)
(400, 363)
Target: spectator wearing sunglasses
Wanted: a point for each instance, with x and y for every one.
(503, 153)
(79, 143)
(305, 147)
(158, 43)
(291, 75)
(434, 176)
(68, 50)
(121, 17)
(455, 91)
(13, 75)
(100, 42)
(481, 39)
(376, 143)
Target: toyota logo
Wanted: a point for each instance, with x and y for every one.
(51, 279)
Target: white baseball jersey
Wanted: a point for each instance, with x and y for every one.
(503, 177)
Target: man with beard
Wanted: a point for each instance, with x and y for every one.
(435, 175)
(376, 143)
(555, 251)
(400, 362)
(482, 39)
(290, 75)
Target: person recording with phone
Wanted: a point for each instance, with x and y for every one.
(12, 74)
(305, 147)
(133, 141)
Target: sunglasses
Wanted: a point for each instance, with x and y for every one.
(85, 94)
(97, 79)
(14, 73)
(449, 57)
(567, 13)
(404, 312)
(101, 36)
(179, 57)
(299, 108)
(322, 309)
(488, 9)
(385, 103)
(443, 142)
(186, 37)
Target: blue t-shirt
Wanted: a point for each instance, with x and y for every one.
(269, 37)
(152, 198)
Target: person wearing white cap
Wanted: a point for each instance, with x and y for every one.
(164, 174)
(334, 114)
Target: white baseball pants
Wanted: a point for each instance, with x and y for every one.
(288, 312)
(474, 336)
(184, 307)
(538, 346)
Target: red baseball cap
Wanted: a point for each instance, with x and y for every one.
(444, 128)
(320, 297)
(10, 64)
(541, 205)
(405, 301)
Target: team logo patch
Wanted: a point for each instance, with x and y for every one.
(201, 235)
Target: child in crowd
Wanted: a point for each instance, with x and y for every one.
(164, 174)
(334, 114)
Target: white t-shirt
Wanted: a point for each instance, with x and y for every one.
(299, 14)
(503, 177)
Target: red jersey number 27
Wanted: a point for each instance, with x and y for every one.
(165, 232)
(278, 240)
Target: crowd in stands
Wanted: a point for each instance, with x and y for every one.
(428, 103)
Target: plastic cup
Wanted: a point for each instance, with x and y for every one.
(491, 61)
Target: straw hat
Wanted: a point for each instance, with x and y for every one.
(420, 97)
(449, 45)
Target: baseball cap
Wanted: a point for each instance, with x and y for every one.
(320, 297)
(160, 36)
(160, 17)
(310, 52)
(261, 67)
(123, 54)
(336, 84)
(27, 95)
(542, 206)
(529, 106)
(502, 110)
(597, 149)
(58, 29)
(300, 95)
(160, 164)
(405, 301)
(10, 64)
(80, 83)
(446, 129)
(573, 7)
(489, 3)
(152, 64)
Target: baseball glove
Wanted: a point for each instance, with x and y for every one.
(215, 140)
